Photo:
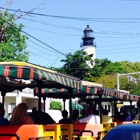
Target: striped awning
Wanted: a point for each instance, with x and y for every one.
(64, 93)
(113, 94)
(18, 75)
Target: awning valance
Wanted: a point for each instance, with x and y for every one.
(109, 94)
(64, 93)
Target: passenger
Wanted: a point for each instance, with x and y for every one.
(96, 112)
(126, 115)
(105, 117)
(137, 117)
(75, 114)
(40, 117)
(3, 121)
(117, 116)
(19, 115)
(83, 114)
(65, 119)
(91, 118)
(122, 116)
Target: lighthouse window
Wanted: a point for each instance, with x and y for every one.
(88, 34)
(88, 42)
(85, 34)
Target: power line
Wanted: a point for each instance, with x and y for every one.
(113, 53)
(40, 46)
(79, 29)
(115, 20)
(39, 55)
(34, 38)
(40, 51)
(121, 44)
(119, 49)
(98, 32)
(51, 31)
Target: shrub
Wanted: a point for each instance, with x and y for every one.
(56, 105)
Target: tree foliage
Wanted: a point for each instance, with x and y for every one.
(130, 67)
(105, 67)
(55, 105)
(108, 81)
(12, 42)
(76, 64)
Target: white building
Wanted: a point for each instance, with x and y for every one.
(14, 98)
(88, 44)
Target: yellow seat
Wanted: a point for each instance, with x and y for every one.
(67, 130)
(52, 130)
(136, 121)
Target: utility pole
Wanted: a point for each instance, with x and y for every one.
(126, 74)
(118, 81)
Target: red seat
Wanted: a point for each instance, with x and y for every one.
(23, 131)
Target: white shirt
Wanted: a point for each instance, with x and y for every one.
(91, 119)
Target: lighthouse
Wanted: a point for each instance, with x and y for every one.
(88, 44)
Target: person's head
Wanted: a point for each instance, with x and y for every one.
(105, 112)
(90, 110)
(121, 110)
(64, 114)
(2, 110)
(138, 104)
(83, 112)
(34, 109)
(125, 112)
(96, 112)
(19, 113)
(75, 114)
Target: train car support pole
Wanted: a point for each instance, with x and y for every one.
(131, 109)
(70, 103)
(39, 83)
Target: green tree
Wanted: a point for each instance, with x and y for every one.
(130, 66)
(130, 86)
(12, 42)
(105, 67)
(76, 65)
(55, 105)
(108, 81)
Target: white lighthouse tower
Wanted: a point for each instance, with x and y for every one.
(88, 43)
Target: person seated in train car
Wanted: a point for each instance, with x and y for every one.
(126, 115)
(83, 114)
(41, 117)
(96, 112)
(3, 121)
(137, 117)
(105, 117)
(19, 116)
(91, 118)
(75, 114)
(116, 117)
(65, 119)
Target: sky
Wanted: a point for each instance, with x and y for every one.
(115, 25)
